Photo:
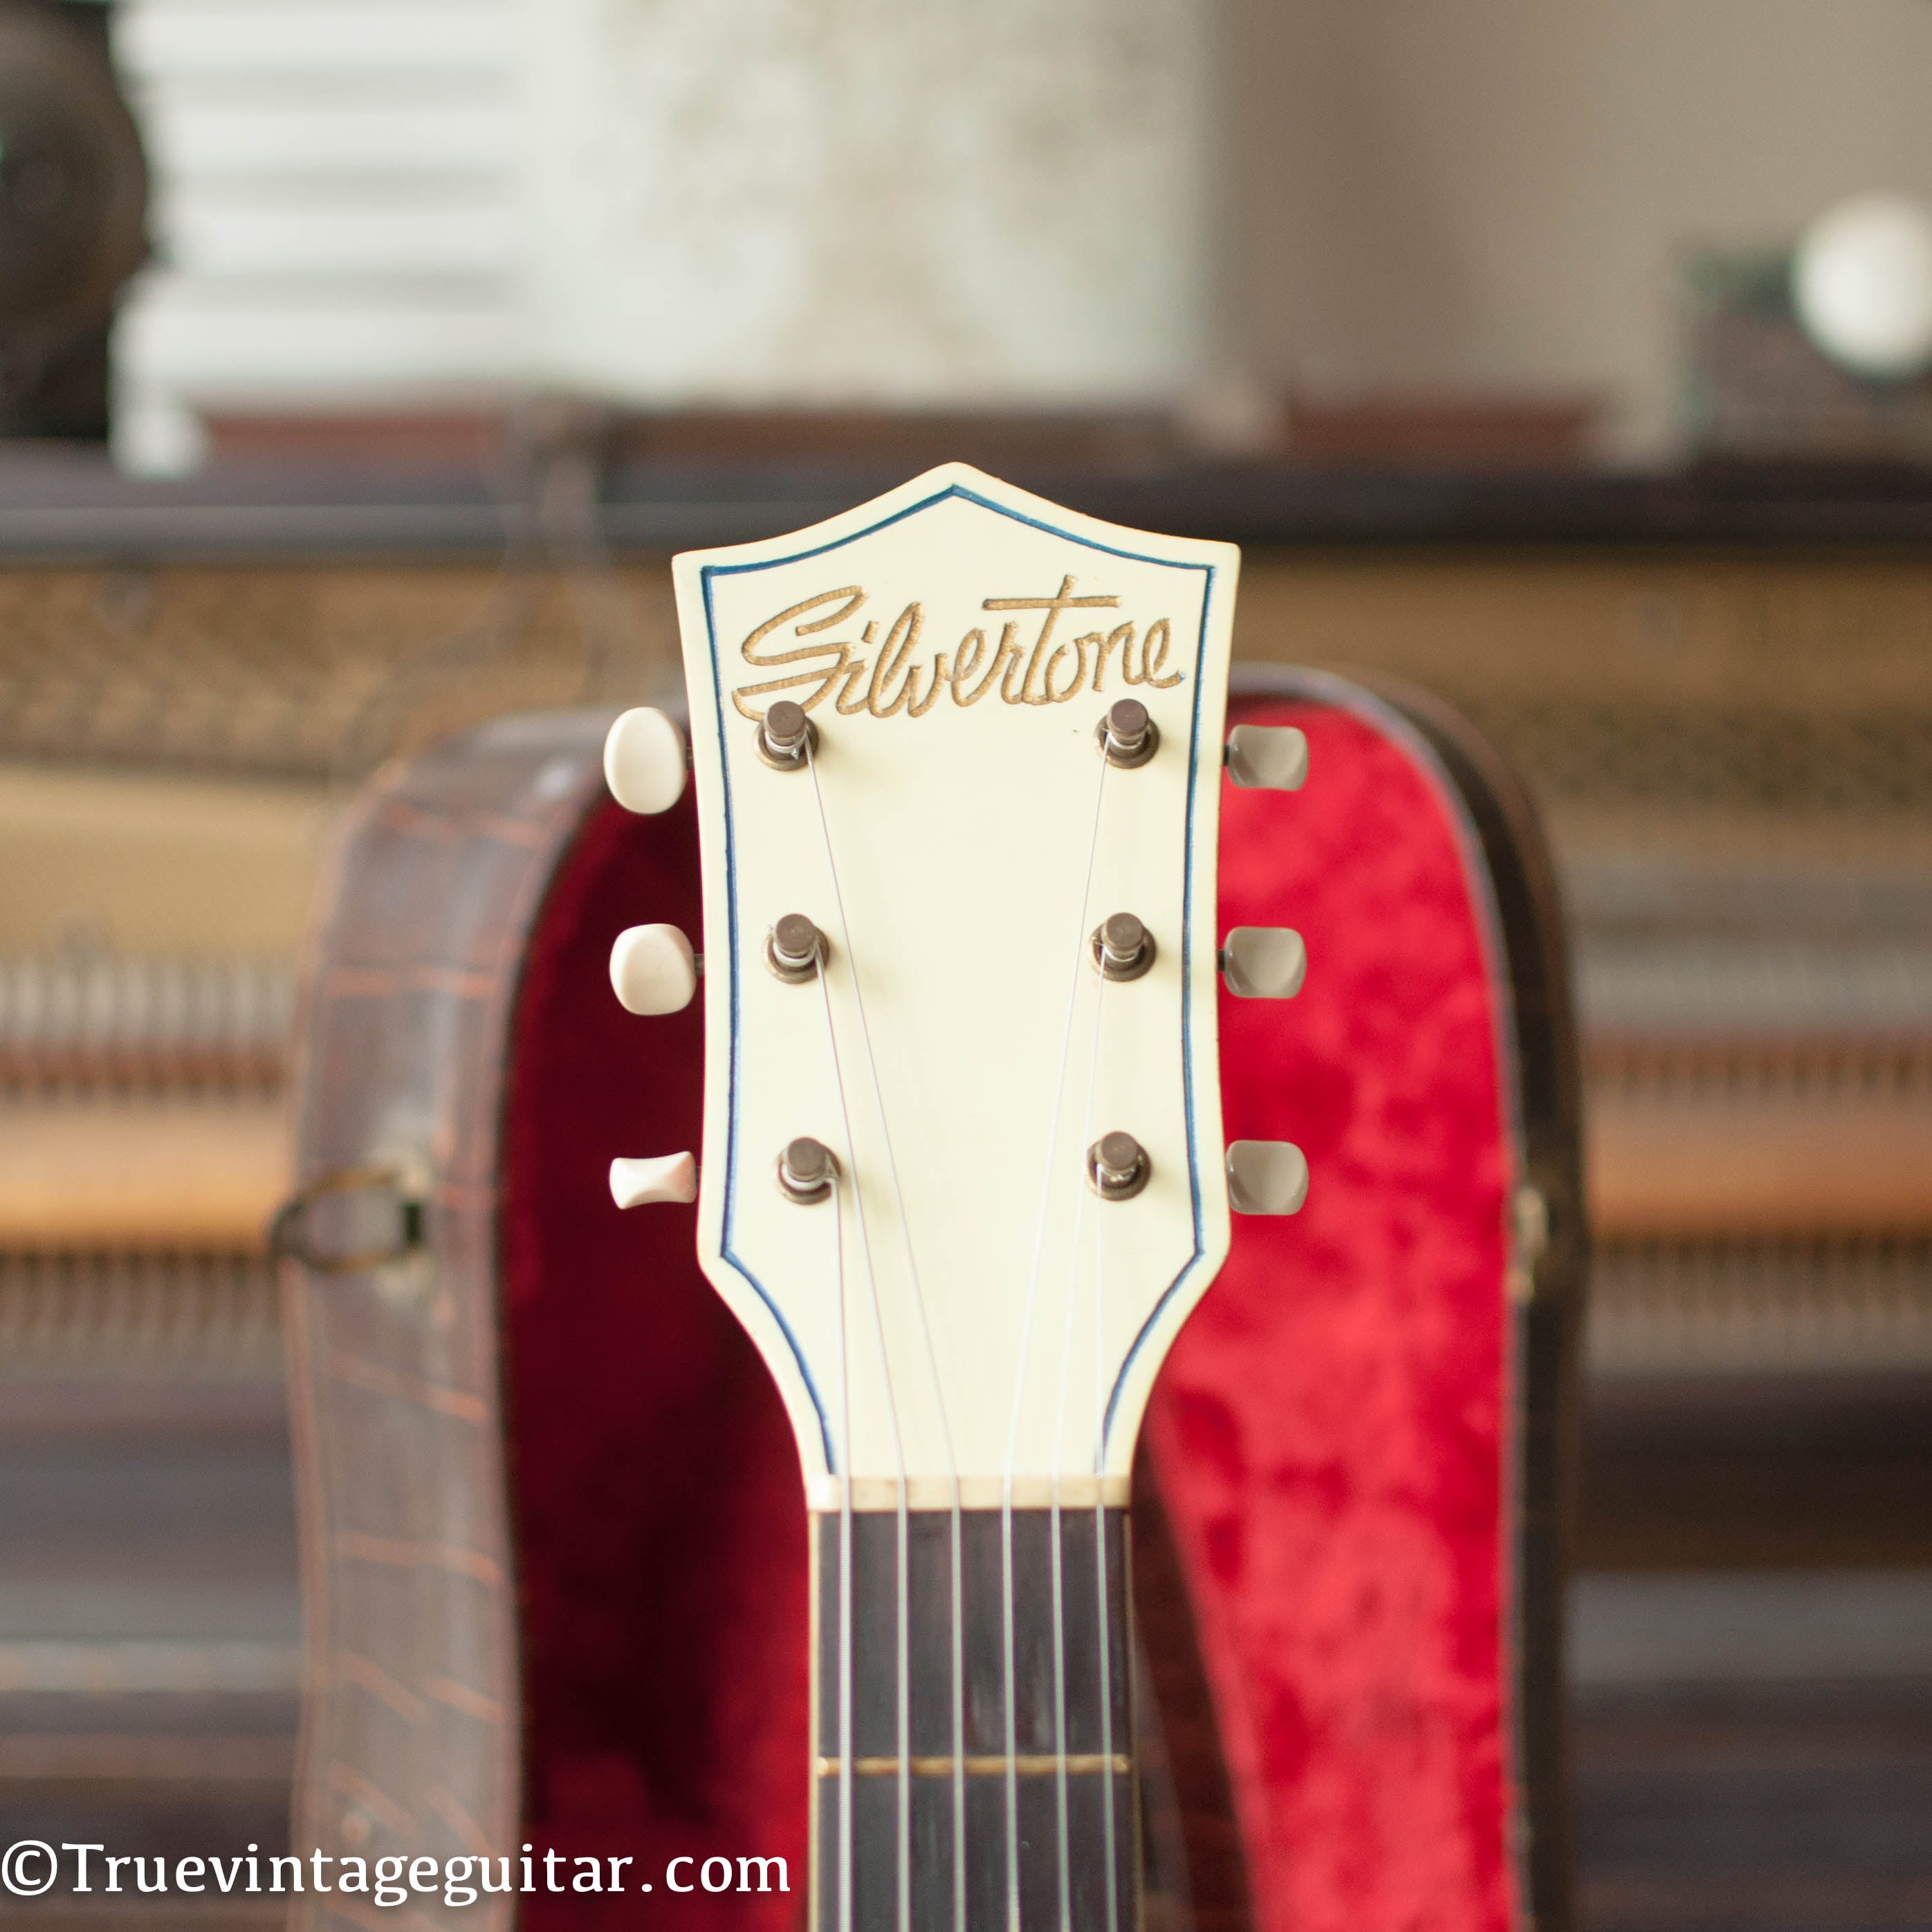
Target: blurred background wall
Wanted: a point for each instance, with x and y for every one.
(747, 204)
(1063, 205)
(1483, 197)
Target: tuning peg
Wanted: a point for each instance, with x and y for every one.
(670, 1176)
(644, 761)
(653, 969)
(1263, 962)
(1267, 758)
(1266, 1177)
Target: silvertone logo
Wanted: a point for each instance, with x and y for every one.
(885, 675)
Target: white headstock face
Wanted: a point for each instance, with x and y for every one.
(967, 1291)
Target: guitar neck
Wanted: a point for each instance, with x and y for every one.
(962, 1178)
(974, 1764)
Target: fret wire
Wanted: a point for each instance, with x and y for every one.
(1019, 1379)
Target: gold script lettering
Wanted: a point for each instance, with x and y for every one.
(1009, 655)
(884, 676)
(853, 695)
(1124, 637)
(941, 677)
(1151, 660)
(972, 649)
(1078, 650)
(823, 676)
(1064, 599)
(901, 642)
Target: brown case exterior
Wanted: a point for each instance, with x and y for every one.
(1550, 1303)
(410, 1724)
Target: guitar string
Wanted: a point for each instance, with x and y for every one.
(1059, 1440)
(844, 1578)
(1064, 1377)
(1011, 1712)
(1110, 1828)
(958, 1666)
(847, 1662)
(957, 1660)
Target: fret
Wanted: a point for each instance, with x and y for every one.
(1094, 1729)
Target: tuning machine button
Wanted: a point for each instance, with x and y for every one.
(670, 1176)
(808, 1171)
(645, 761)
(653, 969)
(1267, 758)
(1122, 946)
(787, 739)
(1264, 962)
(1266, 1177)
(1128, 736)
(1117, 1167)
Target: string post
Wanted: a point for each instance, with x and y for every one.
(787, 737)
(1117, 1167)
(808, 1171)
(1122, 946)
(1128, 736)
(795, 948)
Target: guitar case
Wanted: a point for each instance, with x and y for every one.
(555, 1555)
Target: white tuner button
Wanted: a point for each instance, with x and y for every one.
(653, 969)
(1266, 1177)
(644, 761)
(671, 1176)
(1263, 962)
(1267, 758)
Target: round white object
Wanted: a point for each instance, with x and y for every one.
(653, 969)
(1862, 283)
(644, 762)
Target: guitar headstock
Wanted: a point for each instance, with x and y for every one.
(959, 755)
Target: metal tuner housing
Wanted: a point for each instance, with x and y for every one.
(1117, 1167)
(1128, 736)
(787, 739)
(1122, 948)
(808, 1171)
(795, 949)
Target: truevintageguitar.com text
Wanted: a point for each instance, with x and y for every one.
(30, 1867)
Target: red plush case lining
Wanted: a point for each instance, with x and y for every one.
(1328, 1434)
(1328, 1439)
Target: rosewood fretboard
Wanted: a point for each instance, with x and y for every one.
(1043, 1789)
